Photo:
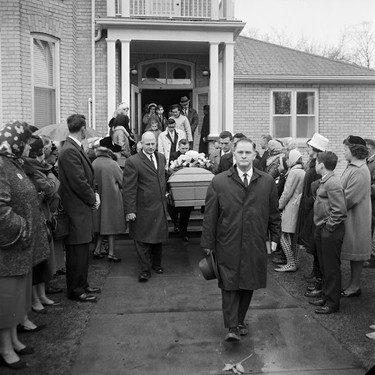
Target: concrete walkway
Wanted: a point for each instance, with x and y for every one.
(173, 325)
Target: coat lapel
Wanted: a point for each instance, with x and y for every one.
(148, 162)
(83, 154)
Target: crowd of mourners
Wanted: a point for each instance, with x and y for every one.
(331, 218)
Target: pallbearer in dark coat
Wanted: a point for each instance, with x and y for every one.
(241, 207)
(79, 199)
(144, 190)
(205, 131)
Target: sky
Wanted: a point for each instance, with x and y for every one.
(321, 21)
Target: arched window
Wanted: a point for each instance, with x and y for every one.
(160, 73)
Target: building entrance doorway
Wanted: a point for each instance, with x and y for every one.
(164, 97)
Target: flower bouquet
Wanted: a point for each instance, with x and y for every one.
(189, 180)
(190, 159)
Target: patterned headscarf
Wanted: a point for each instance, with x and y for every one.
(14, 137)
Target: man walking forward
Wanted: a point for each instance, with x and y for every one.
(241, 207)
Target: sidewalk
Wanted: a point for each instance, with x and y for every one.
(173, 325)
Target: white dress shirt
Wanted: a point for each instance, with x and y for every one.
(242, 175)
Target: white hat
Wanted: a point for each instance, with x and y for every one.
(319, 142)
(294, 155)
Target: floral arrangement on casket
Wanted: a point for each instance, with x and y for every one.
(190, 159)
(189, 180)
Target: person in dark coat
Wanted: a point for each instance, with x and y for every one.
(21, 226)
(47, 186)
(264, 139)
(305, 227)
(145, 205)
(205, 131)
(191, 114)
(109, 218)
(78, 196)
(370, 143)
(241, 207)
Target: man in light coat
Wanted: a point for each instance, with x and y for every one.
(78, 196)
(145, 206)
(182, 122)
(241, 206)
(168, 141)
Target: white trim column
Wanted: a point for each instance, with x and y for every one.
(111, 77)
(125, 71)
(228, 86)
(214, 89)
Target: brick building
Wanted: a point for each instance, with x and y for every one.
(63, 56)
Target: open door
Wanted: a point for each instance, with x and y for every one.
(200, 98)
(135, 110)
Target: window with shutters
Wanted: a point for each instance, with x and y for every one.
(45, 79)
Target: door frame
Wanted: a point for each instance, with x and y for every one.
(135, 92)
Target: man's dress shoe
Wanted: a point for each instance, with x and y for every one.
(92, 289)
(354, 294)
(84, 297)
(326, 310)
(144, 276)
(313, 293)
(318, 302)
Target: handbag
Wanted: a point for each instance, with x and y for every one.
(60, 221)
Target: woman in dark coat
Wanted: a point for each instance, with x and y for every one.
(20, 228)
(109, 219)
(47, 186)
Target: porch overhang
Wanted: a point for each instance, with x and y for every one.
(283, 79)
(234, 27)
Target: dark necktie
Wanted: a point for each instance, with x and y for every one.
(152, 159)
(245, 181)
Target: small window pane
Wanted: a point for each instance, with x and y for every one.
(305, 103)
(178, 74)
(44, 108)
(43, 63)
(281, 102)
(305, 126)
(154, 74)
(281, 127)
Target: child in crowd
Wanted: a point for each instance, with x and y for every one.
(329, 215)
(156, 131)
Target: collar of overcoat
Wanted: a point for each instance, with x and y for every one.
(83, 153)
(148, 163)
(232, 173)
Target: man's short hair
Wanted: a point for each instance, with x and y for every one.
(171, 120)
(266, 136)
(174, 106)
(226, 134)
(183, 142)
(76, 122)
(206, 107)
(329, 159)
(239, 135)
(244, 140)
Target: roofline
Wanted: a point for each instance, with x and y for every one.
(309, 54)
(144, 23)
(303, 79)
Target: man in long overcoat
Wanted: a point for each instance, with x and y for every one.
(241, 208)
(77, 191)
(144, 190)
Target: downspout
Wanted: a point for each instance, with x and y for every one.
(93, 75)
